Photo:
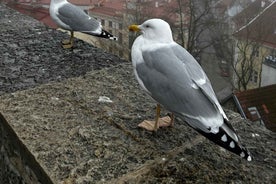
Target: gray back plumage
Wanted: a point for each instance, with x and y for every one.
(171, 85)
(77, 19)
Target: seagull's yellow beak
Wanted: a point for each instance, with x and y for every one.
(134, 28)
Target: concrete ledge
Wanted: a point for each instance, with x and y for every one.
(17, 163)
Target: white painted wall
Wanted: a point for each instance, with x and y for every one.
(268, 75)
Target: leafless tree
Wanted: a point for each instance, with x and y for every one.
(245, 62)
(194, 20)
(241, 49)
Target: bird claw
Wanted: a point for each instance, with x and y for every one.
(162, 122)
(67, 46)
(66, 42)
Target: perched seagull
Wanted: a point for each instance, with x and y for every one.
(171, 76)
(72, 18)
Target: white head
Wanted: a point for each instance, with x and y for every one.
(156, 30)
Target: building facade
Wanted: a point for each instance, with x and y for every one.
(255, 42)
(268, 71)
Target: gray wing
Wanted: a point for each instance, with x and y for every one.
(170, 74)
(197, 74)
(77, 19)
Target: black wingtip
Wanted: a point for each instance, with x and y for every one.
(223, 139)
(107, 35)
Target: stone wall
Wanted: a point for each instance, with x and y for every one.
(17, 164)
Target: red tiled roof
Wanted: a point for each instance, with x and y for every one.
(76, 2)
(163, 9)
(109, 8)
(264, 99)
(262, 28)
(39, 13)
(150, 8)
(106, 11)
(251, 11)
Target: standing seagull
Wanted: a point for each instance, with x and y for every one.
(171, 76)
(72, 18)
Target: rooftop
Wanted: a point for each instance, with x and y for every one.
(77, 2)
(264, 100)
(262, 28)
(252, 10)
(115, 11)
(37, 12)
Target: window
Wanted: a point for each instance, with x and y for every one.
(103, 22)
(254, 76)
(120, 38)
(110, 23)
(120, 26)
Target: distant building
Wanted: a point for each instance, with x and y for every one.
(115, 16)
(256, 42)
(248, 11)
(269, 71)
(258, 105)
(111, 15)
(238, 13)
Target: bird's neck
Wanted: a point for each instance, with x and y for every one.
(158, 41)
(158, 38)
(151, 45)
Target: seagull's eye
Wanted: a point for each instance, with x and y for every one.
(147, 26)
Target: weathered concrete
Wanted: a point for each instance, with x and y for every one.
(17, 164)
(77, 139)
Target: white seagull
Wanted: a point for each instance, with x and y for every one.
(71, 17)
(171, 76)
